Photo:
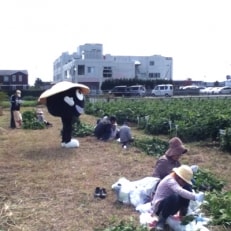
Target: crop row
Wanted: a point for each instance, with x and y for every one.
(190, 119)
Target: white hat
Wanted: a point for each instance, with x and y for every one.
(61, 87)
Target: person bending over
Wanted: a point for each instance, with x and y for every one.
(170, 195)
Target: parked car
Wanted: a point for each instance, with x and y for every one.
(136, 90)
(224, 90)
(119, 91)
(207, 90)
(163, 90)
(215, 90)
(189, 87)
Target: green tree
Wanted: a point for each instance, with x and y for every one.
(38, 83)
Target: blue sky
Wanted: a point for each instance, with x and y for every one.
(196, 33)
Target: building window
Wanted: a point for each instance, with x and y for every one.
(151, 63)
(6, 79)
(154, 75)
(107, 72)
(90, 70)
(13, 78)
(65, 73)
(81, 70)
(20, 78)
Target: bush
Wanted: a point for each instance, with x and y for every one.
(225, 140)
(30, 121)
(126, 226)
(80, 129)
(206, 181)
(153, 146)
(219, 207)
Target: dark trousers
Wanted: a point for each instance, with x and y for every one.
(12, 122)
(174, 203)
(127, 142)
(67, 129)
(102, 131)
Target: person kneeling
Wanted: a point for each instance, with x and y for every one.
(171, 195)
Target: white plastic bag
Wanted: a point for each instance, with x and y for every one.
(135, 192)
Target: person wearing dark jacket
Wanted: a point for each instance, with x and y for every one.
(104, 126)
(16, 117)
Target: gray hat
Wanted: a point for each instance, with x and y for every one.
(176, 147)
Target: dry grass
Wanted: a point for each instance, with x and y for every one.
(44, 187)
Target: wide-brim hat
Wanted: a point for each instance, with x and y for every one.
(176, 147)
(61, 87)
(185, 173)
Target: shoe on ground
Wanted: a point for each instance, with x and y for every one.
(97, 192)
(103, 193)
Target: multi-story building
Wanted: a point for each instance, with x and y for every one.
(90, 67)
(13, 79)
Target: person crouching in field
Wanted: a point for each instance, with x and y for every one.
(41, 118)
(104, 129)
(170, 160)
(170, 195)
(125, 135)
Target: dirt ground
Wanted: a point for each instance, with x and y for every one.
(44, 187)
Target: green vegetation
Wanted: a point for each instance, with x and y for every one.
(205, 180)
(219, 207)
(126, 226)
(151, 146)
(30, 121)
(192, 119)
(25, 103)
(81, 129)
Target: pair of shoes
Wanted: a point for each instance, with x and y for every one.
(103, 193)
(100, 192)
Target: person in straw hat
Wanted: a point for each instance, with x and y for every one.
(170, 194)
(65, 100)
(170, 160)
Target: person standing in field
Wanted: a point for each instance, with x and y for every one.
(16, 117)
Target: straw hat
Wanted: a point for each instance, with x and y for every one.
(61, 87)
(185, 173)
(176, 147)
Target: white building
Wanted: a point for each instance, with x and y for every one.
(90, 67)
